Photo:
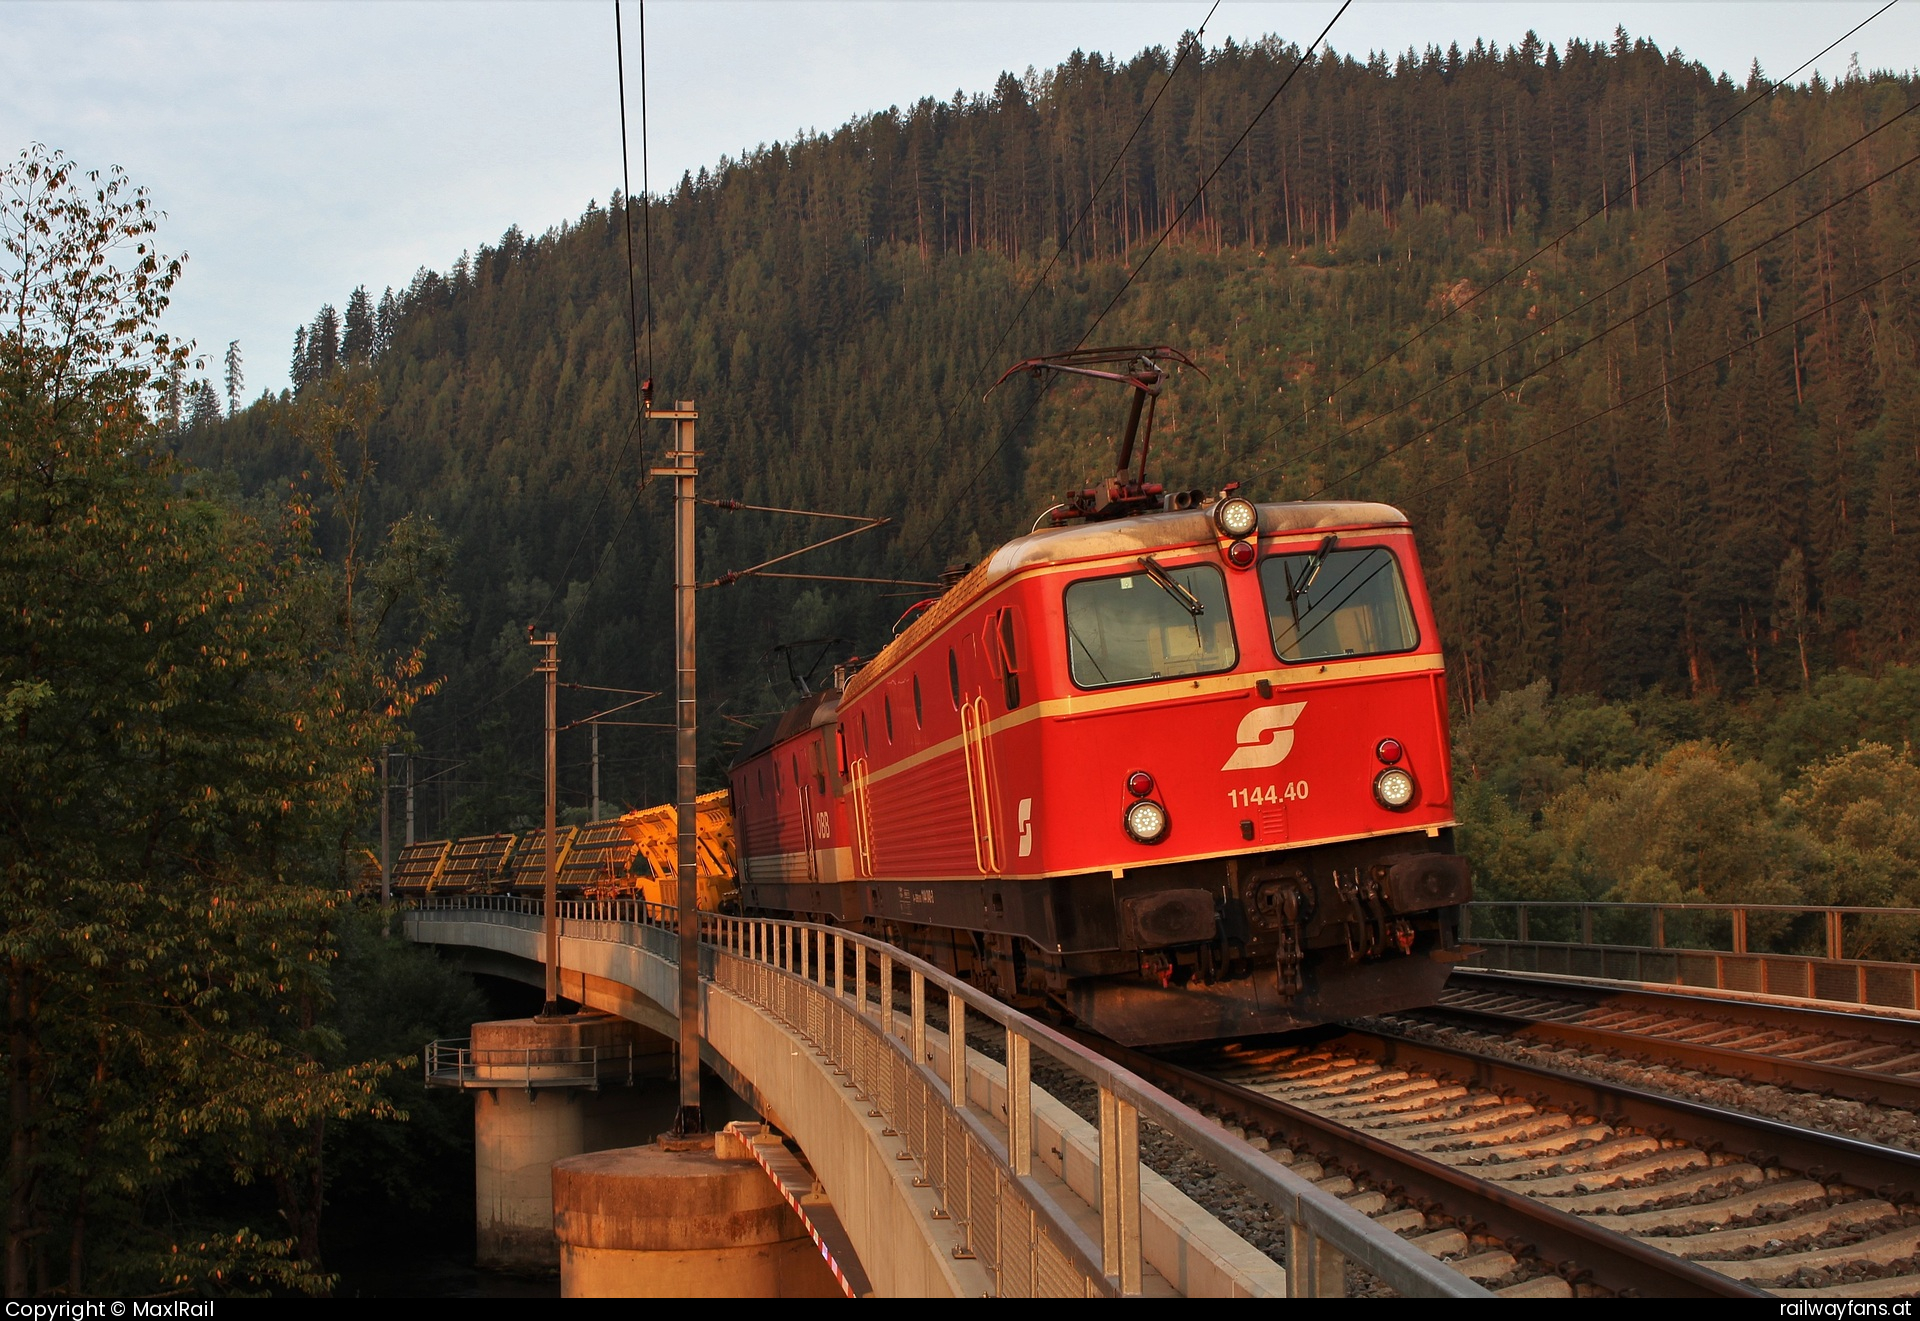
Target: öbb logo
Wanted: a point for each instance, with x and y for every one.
(1265, 737)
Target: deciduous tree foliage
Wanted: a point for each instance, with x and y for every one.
(187, 728)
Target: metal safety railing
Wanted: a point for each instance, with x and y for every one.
(1850, 955)
(970, 1125)
(456, 1062)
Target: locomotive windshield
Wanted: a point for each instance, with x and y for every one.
(1130, 628)
(1328, 602)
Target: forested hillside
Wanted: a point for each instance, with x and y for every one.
(1708, 389)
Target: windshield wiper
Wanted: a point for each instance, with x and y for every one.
(1188, 601)
(1310, 570)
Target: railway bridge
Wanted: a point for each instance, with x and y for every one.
(937, 1142)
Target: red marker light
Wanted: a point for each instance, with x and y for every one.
(1389, 750)
(1139, 784)
(1241, 554)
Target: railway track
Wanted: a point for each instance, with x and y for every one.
(1858, 1057)
(1544, 1184)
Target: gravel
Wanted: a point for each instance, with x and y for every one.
(1887, 1125)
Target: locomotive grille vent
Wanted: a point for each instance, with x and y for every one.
(1273, 822)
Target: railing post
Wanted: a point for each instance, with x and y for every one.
(917, 1011)
(839, 965)
(957, 1049)
(1586, 924)
(1119, 1191)
(1019, 1104)
(1659, 928)
(1315, 1268)
(860, 976)
(1836, 948)
(1739, 930)
(886, 994)
(1520, 924)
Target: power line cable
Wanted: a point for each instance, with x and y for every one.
(1665, 382)
(1060, 249)
(1605, 202)
(1226, 156)
(646, 184)
(468, 715)
(635, 427)
(626, 209)
(1133, 274)
(1626, 280)
(1100, 187)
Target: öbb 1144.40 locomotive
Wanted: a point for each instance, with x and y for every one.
(1182, 773)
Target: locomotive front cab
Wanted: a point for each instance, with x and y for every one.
(1247, 789)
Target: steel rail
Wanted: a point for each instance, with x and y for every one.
(1889, 1171)
(1529, 1226)
(1826, 1015)
(1748, 1064)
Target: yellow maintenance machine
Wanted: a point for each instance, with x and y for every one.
(655, 830)
(630, 856)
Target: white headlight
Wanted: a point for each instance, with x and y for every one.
(1147, 821)
(1236, 517)
(1394, 788)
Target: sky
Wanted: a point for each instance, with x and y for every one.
(301, 149)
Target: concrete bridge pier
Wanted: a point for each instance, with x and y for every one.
(544, 1090)
(695, 1218)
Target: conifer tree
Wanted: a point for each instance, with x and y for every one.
(236, 378)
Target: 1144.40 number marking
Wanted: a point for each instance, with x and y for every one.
(1291, 791)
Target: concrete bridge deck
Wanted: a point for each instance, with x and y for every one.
(949, 1171)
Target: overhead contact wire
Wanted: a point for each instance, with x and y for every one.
(1606, 200)
(1226, 156)
(1092, 199)
(1671, 294)
(1558, 360)
(1101, 187)
(637, 426)
(634, 426)
(1666, 381)
(626, 193)
(1134, 274)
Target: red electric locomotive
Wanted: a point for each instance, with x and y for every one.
(1181, 772)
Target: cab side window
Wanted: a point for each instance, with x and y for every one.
(1004, 647)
